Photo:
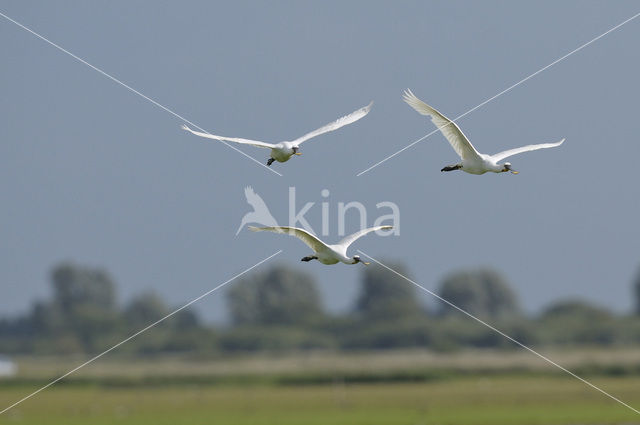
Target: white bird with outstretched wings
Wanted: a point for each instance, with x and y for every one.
(325, 253)
(473, 162)
(282, 151)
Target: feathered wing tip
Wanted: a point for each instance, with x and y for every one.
(345, 120)
(358, 112)
(184, 127)
(408, 95)
(417, 104)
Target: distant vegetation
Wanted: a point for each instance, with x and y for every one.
(280, 309)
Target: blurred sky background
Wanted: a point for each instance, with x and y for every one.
(93, 174)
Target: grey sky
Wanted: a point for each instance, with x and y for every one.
(94, 174)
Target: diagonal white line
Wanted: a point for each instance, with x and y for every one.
(114, 79)
(91, 360)
(503, 92)
(531, 350)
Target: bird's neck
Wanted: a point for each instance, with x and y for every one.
(497, 168)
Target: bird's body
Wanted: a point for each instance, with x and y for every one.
(472, 161)
(283, 151)
(325, 253)
(331, 256)
(480, 165)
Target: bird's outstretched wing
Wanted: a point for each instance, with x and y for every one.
(449, 129)
(348, 240)
(502, 155)
(230, 139)
(306, 237)
(340, 122)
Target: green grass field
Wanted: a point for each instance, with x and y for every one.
(526, 399)
(396, 387)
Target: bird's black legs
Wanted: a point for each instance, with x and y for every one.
(452, 167)
(309, 258)
(270, 161)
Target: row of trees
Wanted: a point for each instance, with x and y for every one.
(281, 309)
(287, 296)
(83, 316)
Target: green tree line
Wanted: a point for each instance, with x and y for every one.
(281, 309)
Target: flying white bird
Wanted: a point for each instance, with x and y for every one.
(282, 151)
(473, 162)
(326, 254)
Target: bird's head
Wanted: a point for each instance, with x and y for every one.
(295, 150)
(507, 167)
(356, 260)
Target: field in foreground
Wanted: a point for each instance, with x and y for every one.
(510, 399)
